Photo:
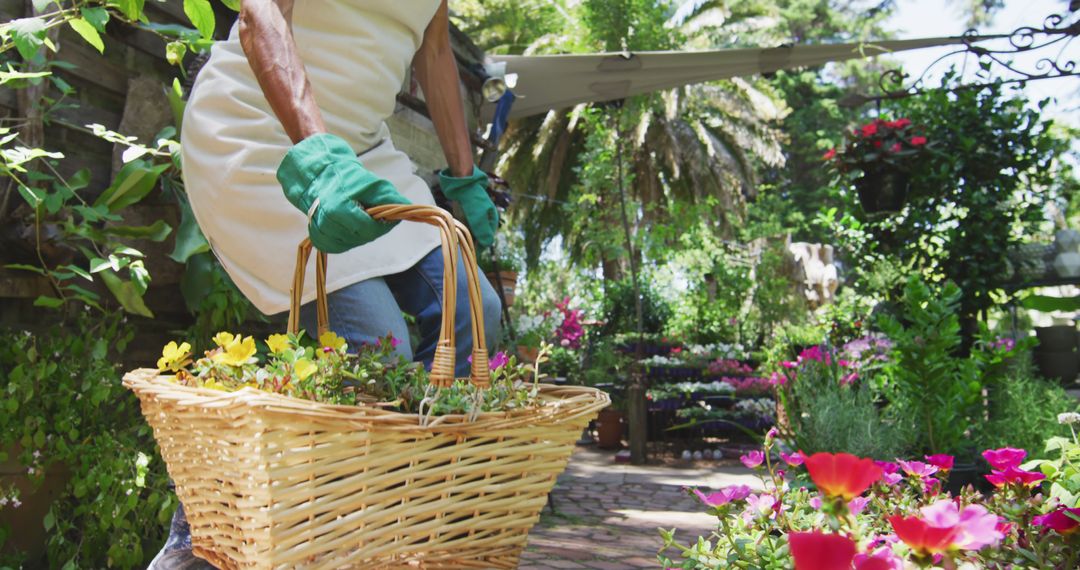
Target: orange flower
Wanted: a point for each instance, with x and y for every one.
(842, 474)
(922, 537)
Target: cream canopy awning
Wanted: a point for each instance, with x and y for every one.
(548, 82)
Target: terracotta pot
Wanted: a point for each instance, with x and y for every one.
(26, 522)
(609, 429)
(508, 284)
(883, 191)
(528, 353)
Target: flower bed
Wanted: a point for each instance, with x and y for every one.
(839, 511)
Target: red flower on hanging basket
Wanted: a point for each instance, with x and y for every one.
(879, 145)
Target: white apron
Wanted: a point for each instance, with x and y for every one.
(356, 53)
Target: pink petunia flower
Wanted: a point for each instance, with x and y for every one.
(752, 459)
(917, 468)
(858, 504)
(1013, 475)
(942, 461)
(724, 496)
(1004, 457)
(795, 459)
(976, 527)
(1059, 520)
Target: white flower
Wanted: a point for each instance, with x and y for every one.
(1069, 418)
(30, 470)
(3, 501)
(37, 454)
(15, 503)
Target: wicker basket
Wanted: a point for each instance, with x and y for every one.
(269, 481)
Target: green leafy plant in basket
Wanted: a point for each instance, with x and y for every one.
(325, 371)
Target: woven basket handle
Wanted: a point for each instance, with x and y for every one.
(454, 238)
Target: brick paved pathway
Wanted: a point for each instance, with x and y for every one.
(606, 514)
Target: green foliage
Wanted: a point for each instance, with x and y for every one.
(927, 382)
(994, 166)
(1063, 471)
(1023, 409)
(66, 410)
(835, 417)
(619, 311)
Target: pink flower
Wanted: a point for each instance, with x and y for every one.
(821, 551)
(887, 466)
(777, 379)
(918, 141)
(789, 364)
(869, 129)
(1064, 520)
(795, 459)
(891, 479)
(941, 461)
(829, 154)
(724, 496)
(762, 505)
(752, 459)
(1004, 457)
(930, 485)
(856, 505)
(895, 147)
(881, 559)
(1012, 475)
(975, 526)
(815, 502)
(816, 354)
(900, 123)
(849, 379)
(499, 360)
(917, 468)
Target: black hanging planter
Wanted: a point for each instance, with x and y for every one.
(883, 191)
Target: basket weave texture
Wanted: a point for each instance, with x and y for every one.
(268, 481)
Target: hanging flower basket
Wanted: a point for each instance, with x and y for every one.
(883, 191)
(272, 481)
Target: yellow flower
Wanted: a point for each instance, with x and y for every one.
(173, 357)
(236, 352)
(304, 368)
(278, 343)
(224, 339)
(331, 340)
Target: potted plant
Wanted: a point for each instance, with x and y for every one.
(501, 264)
(882, 153)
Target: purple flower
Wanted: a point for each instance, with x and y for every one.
(498, 361)
(795, 459)
(752, 459)
(892, 478)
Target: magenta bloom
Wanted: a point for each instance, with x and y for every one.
(887, 466)
(941, 461)
(762, 505)
(975, 525)
(891, 479)
(816, 354)
(917, 468)
(1060, 520)
(881, 559)
(724, 496)
(753, 459)
(789, 364)
(1013, 475)
(795, 459)
(1002, 459)
(856, 505)
(499, 360)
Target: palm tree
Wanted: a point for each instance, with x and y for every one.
(700, 146)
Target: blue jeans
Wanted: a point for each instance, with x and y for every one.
(365, 312)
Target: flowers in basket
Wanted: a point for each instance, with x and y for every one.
(878, 145)
(839, 511)
(327, 371)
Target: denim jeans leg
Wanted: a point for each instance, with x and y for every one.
(362, 313)
(419, 292)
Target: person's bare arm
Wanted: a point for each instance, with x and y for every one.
(267, 40)
(437, 72)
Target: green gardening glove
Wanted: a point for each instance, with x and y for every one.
(471, 192)
(324, 167)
